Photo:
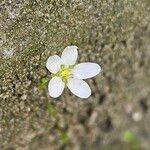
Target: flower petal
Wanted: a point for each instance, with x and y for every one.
(79, 87)
(69, 55)
(86, 70)
(53, 63)
(56, 87)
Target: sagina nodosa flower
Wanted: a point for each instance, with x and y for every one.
(66, 73)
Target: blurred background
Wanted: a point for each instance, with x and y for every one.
(113, 33)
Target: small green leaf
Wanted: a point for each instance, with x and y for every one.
(132, 140)
(42, 83)
(63, 137)
(51, 109)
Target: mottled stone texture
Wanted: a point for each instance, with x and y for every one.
(113, 33)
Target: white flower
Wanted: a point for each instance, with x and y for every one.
(66, 73)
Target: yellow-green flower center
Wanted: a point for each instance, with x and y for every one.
(64, 73)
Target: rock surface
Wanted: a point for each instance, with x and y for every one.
(113, 33)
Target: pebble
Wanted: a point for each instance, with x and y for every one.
(137, 116)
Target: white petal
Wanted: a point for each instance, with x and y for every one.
(53, 63)
(79, 87)
(69, 55)
(86, 70)
(55, 87)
